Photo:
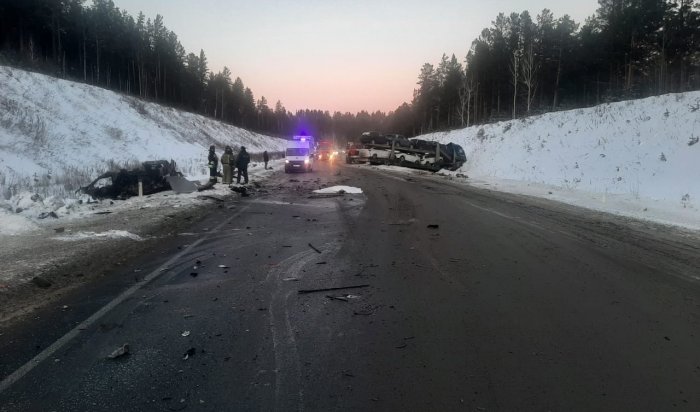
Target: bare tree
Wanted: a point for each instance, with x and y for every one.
(530, 67)
(515, 71)
(465, 98)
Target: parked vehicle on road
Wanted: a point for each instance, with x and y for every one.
(351, 153)
(326, 151)
(299, 154)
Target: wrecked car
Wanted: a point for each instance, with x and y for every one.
(122, 184)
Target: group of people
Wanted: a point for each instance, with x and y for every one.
(229, 163)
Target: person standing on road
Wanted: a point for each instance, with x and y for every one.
(213, 164)
(242, 164)
(227, 163)
(266, 158)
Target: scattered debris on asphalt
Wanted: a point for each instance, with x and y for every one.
(290, 279)
(305, 291)
(59, 229)
(314, 248)
(194, 274)
(344, 298)
(119, 352)
(433, 226)
(223, 266)
(185, 334)
(41, 282)
(242, 190)
(190, 353)
(321, 263)
(210, 197)
(44, 215)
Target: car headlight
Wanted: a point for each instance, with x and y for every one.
(306, 161)
(286, 161)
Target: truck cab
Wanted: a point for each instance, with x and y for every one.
(299, 154)
(326, 151)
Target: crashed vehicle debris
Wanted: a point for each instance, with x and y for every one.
(151, 176)
(394, 149)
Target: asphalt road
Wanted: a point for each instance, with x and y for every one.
(510, 303)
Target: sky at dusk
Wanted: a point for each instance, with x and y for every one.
(335, 55)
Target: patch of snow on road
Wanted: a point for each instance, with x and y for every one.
(339, 189)
(110, 234)
(14, 224)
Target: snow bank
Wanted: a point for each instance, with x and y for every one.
(52, 129)
(110, 234)
(642, 153)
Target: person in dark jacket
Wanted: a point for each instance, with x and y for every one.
(227, 163)
(242, 161)
(266, 158)
(213, 164)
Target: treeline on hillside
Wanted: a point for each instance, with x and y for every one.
(523, 64)
(102, 45)
(99, 44)
(519, 66)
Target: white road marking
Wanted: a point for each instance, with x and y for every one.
(62, 341)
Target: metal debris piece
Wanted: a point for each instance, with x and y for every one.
(305, 291)
(119, 352)
(41, 282)
(190, 353)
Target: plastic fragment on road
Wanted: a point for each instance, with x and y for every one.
(185, 334)
(433, 226)
(344, 298)
(223, 266)
(119, 352)
(190, 353)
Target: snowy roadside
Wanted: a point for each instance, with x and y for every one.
(627, 205)
(44, 253)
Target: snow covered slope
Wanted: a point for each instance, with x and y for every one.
(70, 131)
(638, 158)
